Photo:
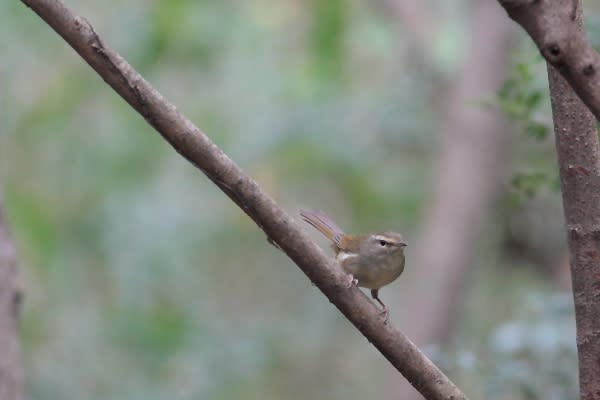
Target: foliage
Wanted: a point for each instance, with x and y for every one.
(521, 98)
(524, 99)
(142, 280)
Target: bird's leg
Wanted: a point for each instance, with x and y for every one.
(385, 312)
(352, 281)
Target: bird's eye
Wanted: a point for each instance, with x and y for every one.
(383, 243)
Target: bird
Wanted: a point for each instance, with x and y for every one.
(371, 260)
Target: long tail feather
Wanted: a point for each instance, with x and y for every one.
(320, 221)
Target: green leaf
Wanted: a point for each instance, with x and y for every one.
(536, 130)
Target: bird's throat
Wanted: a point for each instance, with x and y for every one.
(343, 256)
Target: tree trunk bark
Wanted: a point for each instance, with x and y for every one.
(579, 163)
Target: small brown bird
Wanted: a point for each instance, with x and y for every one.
(371, 260)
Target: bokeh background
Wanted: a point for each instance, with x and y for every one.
(143, 281)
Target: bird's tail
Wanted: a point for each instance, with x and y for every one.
(323, 224)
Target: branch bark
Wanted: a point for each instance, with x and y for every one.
(11, 374)
(555, 29)
(579, 163)
(279, 227)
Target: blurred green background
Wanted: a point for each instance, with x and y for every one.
(143, 281)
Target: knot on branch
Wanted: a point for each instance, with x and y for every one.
(589, 70)
(588, 64)
(553, 53)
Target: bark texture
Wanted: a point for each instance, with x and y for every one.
(554, 28)
(577, 147)
(11, 375)
(280, 228)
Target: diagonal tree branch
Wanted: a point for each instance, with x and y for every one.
(554, 28)
(279, 227)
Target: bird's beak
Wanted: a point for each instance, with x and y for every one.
(402, 244)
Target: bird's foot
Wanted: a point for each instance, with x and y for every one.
(352, 281)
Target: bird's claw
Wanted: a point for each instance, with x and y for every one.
(352, 281)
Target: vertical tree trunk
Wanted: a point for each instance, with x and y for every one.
(557, 29)
(577, 146)
(579, 164)
(471, 157)
(11, 377)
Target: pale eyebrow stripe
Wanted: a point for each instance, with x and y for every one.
(386, 238)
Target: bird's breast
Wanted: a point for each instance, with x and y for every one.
(373, 272)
